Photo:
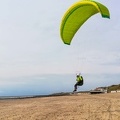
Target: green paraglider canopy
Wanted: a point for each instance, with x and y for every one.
(77, 15)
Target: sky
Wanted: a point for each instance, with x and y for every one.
(31, 46)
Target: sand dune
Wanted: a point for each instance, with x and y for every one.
(74, 107)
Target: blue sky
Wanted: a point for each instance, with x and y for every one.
(30, 42)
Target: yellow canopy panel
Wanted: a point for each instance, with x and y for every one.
(77, 14)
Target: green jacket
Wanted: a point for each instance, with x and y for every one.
(79, 78)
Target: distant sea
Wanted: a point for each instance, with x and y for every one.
(53, 83)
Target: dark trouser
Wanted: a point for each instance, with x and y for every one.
(78, 84)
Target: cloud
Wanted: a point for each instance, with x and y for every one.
(115, 62)
(31, 44)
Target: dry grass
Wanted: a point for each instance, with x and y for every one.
(74, 107)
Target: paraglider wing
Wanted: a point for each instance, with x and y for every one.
(77, 15)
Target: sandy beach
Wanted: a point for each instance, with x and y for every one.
(73, 107)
